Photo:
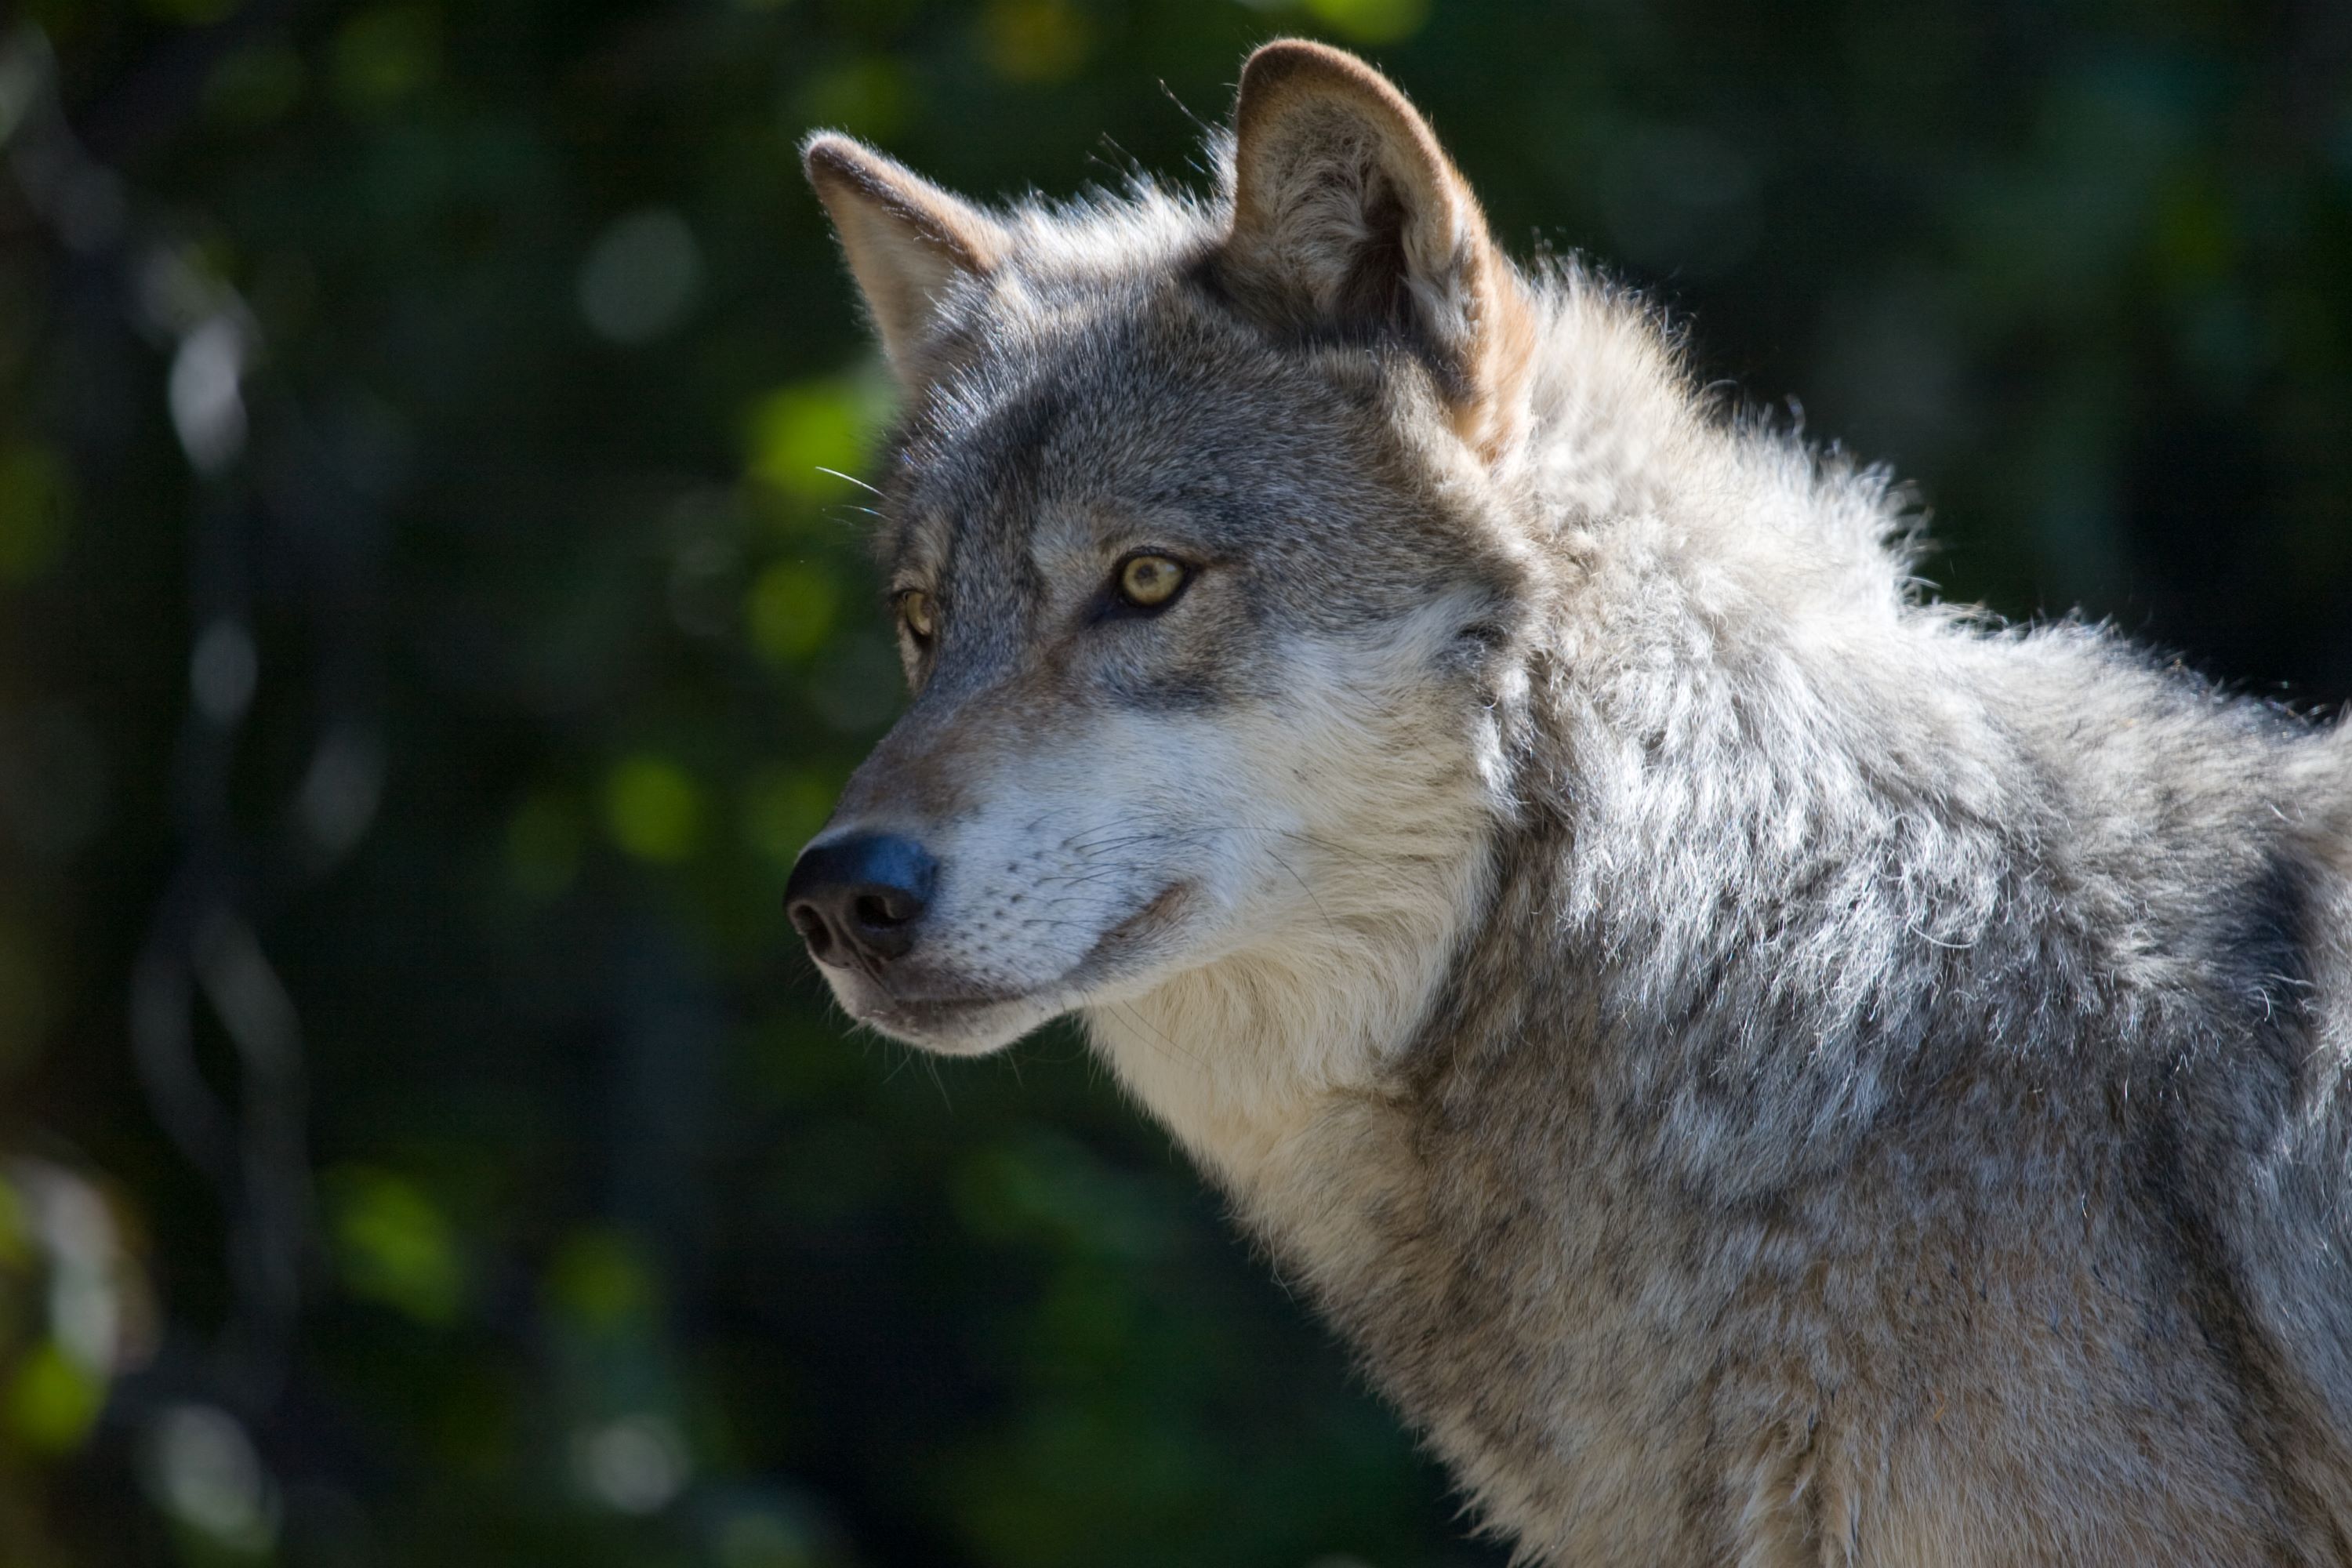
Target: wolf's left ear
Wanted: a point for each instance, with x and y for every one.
(907, 241)
(1350, 220)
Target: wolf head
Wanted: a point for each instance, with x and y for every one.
(1196, 540)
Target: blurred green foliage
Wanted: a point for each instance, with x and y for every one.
(432, 616)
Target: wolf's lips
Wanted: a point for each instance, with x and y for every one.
(1160, 913)
(946, 1016)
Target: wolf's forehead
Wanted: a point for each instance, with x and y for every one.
(1062, 452)
(983, 478)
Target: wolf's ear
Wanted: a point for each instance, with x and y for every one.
(908, 240)
(1349, 220)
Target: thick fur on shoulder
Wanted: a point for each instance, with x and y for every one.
(1766, 1067)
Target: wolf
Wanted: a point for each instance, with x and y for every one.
(1764, 1068)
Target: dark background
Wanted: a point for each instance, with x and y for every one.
(427, 634)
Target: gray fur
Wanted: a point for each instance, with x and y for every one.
(1765, 1067)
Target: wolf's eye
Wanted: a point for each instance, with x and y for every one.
(921, 615)
(1149, 581)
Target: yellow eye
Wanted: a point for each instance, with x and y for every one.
(1148, 582)
(921, 615)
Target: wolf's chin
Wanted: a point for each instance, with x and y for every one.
(974, 1028)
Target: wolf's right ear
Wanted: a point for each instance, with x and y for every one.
(1350, 221)
(908, 242)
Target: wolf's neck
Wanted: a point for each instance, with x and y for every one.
(1242, 1058)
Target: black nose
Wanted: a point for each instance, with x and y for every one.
(857, 899)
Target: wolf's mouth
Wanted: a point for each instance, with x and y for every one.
(952, 1018)
(1154, 916)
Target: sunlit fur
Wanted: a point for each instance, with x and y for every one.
(1764, 1068)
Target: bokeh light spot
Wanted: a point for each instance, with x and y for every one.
(394, 1246)
(796, 433)
(764, 1540)
(654, 809)
(789, 612)
(204, 1472)
(16, 1228)
(870, 97)
(384, 57)
(599, 1280)
(637, 1464)
(1034, 40)
(53, 1399)
(1372, 21)
(640, 278)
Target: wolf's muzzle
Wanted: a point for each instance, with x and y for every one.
(856, 902)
